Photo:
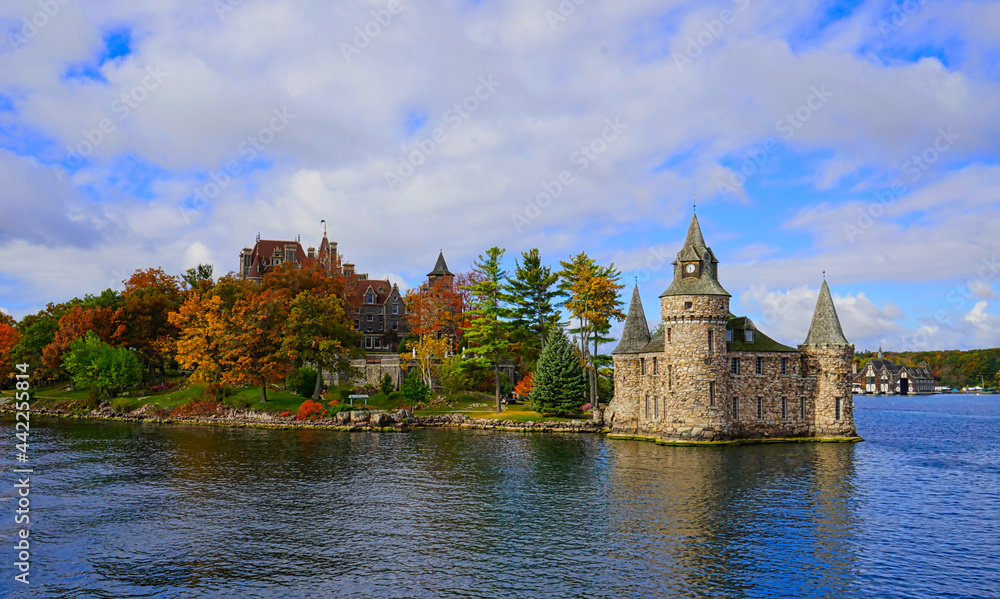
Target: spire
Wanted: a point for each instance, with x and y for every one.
(705, 280)
(635, 335)
(825, 328)
(440, 267)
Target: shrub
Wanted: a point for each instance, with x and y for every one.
(415, 389)
(387, 385)
(310, 410)
(587, 407)
(285, 414)
(217, 392)
(124, 404)
(302, 381)
(235, 401)
(523, 387)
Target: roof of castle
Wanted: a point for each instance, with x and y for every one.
(695, 250)
(761, 342)
(825, 328)
(655, 345)
(440, 267)
(635, 335)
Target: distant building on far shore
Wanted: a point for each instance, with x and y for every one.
(882, 377)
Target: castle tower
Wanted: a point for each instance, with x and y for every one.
(827, 356)
(441, 273)
(635, 337)
(695, 310)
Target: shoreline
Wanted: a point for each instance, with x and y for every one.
(405, 421)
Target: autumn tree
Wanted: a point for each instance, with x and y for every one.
(487, 329)
(253, 348)
(591, 292)
(150, 296)
(426, 354)
(319, 332)
(104, 321)
(531, 295)
(8, 340)
(198, 277)
(436, 309)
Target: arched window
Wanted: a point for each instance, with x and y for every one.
(370, 298)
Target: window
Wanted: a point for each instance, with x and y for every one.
(670, 376)
(395, 325)
(381, 325)
(736, 408)
(668, 335)
(748, 335)
(656, 368)
(688, 305)
(357, 323)
(760, 366)
(734, 365)
(642, 365)
(656, 409)
(647, 406)
(370, 317)
(784, 408)
(395, 308)
(836, 415)
(711, 393)
(711, 350)
(802, 408)
(368, 342)
(784, 367)
(760, 408)
(370, 298)
(729, 334)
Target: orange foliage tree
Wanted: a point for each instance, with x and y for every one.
(523, 388)
(8, 339)
(150, 296)
(253, 353)
(436, 310)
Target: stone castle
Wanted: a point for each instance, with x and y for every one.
(707, 375)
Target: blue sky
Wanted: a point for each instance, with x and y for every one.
(857, 138)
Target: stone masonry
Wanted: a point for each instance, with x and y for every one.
(707, 375)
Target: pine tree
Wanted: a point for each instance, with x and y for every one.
(559, 387)
(530, 294)
(487, 332)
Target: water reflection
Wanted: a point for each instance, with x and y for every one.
(734, 522)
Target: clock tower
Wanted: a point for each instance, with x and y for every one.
(695, 311)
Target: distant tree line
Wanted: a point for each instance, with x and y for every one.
(952, 368)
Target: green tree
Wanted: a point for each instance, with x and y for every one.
(387, 385)
(558, 386)
(200, 276)
(318, 332)
(454, 378)
(531, 294)
(487, 331)
(414, 387)
(90, 361)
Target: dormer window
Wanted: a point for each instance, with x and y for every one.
(370, 298)
(690, 269)
(749, 336)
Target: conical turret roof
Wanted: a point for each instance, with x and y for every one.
(440, 268)
(695, 250)
(635, 335)
(825, 328)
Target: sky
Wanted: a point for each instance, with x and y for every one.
(859, 139)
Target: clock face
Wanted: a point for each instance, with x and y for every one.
(689, 268)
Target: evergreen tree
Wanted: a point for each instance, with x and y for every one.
(530, 294)
(487, 332)
(559, 387)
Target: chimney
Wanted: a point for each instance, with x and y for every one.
(348, 269)
(311, 252)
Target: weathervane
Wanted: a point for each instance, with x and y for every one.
(694, 203)
(324, 226)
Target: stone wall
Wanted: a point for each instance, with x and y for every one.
(831, 367)
(770, 388)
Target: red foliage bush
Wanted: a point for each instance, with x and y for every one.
(524, 386)
(311, 410)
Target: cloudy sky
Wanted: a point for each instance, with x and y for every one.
(856, 138)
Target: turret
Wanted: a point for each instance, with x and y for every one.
(828, 357)
(624, 411)
(695, 310)
(441, 273)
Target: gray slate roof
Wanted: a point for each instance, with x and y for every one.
(635, 335)
(825, 328)
(695, 249)
(440, 268)
(655, 345)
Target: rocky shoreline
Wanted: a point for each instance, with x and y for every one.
(356, 421)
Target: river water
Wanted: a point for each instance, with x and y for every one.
(130, 510)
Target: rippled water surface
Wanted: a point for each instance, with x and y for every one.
(124, 510)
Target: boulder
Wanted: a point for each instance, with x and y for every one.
(359, 416)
